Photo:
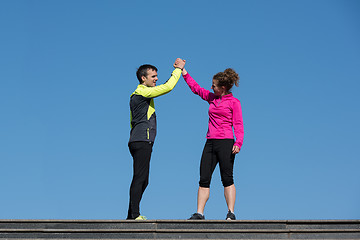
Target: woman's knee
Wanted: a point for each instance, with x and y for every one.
(205, 183)
(227, 181)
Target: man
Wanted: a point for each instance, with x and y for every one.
(143, 128)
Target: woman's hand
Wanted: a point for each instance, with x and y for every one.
(235, 149)
(179, 63)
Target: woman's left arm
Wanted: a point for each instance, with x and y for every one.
(238, 126)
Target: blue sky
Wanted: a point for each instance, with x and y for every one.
(67, 69)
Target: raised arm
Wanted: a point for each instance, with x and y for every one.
(195, 87)
(153, 92)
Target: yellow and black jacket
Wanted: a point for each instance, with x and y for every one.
(142, 108)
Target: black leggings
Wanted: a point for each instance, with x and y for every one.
(217, 151)
(141, 153)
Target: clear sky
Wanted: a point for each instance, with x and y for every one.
(67, 69)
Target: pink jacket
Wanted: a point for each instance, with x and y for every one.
(224, 113)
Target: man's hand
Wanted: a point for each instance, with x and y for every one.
(235, 149)
(179, 63)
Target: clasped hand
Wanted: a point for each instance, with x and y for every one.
(179, 63)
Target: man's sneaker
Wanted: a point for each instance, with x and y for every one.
(197, 216)
(230, 216)
(141, 218)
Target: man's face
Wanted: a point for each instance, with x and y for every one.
(150, 79)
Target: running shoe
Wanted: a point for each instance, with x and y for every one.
(230, 216)
(141, 218)
(197, 216)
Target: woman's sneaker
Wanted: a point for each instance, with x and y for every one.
(230, 216)
(197, 216)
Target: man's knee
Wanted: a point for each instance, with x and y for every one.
(140, 179)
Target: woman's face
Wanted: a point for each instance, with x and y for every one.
(218, 90)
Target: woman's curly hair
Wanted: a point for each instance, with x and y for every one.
(227, 78)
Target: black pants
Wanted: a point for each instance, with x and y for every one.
(217, 151)
(141, 153)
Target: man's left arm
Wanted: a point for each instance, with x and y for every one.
(165, 88)
(153, 92)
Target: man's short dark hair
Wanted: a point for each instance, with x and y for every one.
(142, 71)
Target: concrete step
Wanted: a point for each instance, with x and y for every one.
(175, 229)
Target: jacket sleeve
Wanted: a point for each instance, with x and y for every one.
(153, 92)
(195, 88)
(238, 123)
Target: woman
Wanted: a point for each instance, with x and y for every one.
(224, 116)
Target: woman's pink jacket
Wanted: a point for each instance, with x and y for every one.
(224, 113)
